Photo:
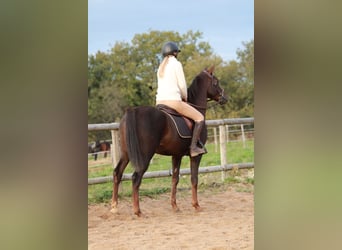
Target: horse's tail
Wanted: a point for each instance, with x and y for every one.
(132, 139)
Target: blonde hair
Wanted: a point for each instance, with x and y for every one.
(161, 68)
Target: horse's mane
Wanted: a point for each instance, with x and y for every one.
(197, 91)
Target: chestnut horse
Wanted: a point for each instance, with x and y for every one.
(97, 147)
(146, 130)
(102, 147)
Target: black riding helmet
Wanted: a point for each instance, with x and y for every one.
(169, 48)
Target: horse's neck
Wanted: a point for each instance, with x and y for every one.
(198, 96)
(200, 105)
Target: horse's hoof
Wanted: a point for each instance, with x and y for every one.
(176, 209)
(114, 210)
(198, 209)
(138, 213)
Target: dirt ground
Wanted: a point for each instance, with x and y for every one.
(225, 222)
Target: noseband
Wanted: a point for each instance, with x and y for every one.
(212, 83)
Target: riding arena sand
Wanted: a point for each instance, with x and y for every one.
(225, 222)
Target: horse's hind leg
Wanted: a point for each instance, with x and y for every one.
(136, 181)
(176, 162)
(117, 176)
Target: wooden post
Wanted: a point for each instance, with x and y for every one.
(227, 133)
(223, 151)
(215, 139)
(115, 147)
(243, 136)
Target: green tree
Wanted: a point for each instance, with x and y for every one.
(239, 76)
(246, 59)
(246, 68)
(126, 75)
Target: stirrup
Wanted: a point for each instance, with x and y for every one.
(197, 151)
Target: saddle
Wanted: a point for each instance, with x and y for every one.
(183, 124)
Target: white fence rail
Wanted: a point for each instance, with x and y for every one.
(209, 123)
(221, 123)
(168, 173)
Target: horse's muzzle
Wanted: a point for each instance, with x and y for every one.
(222, 100)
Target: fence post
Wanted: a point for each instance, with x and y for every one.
(215, 138)
(115, 147)
(243, 136)
(223, 151)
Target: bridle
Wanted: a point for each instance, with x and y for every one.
(221, 94)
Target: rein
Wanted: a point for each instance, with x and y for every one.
(197, 106)
(202, 107)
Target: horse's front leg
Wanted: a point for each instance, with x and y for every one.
(176, 162)
(194, 164)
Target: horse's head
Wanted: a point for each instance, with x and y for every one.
(214, 92)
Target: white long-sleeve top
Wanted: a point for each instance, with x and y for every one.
(172, 85)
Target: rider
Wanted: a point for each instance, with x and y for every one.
(172, 92)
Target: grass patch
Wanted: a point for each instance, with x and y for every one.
(232, 179)
(154, 192)
(100, 193)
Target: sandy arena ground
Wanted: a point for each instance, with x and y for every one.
(226, 222)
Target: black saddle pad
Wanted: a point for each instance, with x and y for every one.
(182, 128)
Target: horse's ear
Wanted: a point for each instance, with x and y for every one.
(211, 69)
